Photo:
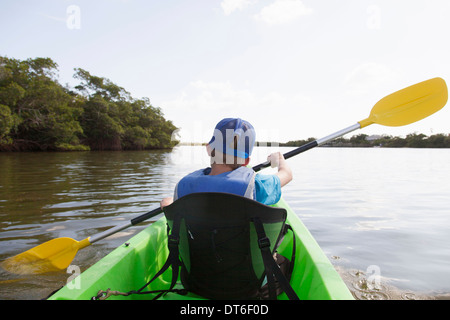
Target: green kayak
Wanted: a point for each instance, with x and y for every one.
(132, 264)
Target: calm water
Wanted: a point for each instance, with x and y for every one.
(378, 214)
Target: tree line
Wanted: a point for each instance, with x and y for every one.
(38, 113)
(413, 140)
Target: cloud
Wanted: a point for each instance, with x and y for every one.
(368, 76)
(229, 6)
(59, 19)
(283, 11)
(202, 104)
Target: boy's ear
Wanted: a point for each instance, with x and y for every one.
(247, 161)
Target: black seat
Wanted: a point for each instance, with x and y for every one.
(224, 245)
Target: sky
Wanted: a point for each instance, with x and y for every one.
(293, 68)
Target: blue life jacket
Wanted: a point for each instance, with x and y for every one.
(240, 181)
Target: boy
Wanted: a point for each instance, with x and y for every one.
(230, 149)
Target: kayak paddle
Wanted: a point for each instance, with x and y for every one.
(398, 109)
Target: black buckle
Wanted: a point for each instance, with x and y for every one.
(173, 240)
(264, 243)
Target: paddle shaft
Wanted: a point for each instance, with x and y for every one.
(400, 108)
(311, 145)
(121, 227)
(257, 168)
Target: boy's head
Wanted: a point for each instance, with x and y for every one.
(232, 142)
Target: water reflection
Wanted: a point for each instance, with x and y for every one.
(43, 193)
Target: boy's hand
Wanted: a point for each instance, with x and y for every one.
(284, 171)
(275, 159)
(165, 202)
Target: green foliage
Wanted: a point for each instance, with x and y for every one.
(6, 123)
(360, 139)
(37, 113)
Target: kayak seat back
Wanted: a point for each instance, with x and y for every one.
(224, 245)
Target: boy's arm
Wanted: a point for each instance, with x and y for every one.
(284, 171)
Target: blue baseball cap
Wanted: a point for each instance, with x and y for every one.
(225, 132)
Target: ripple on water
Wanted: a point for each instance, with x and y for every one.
(363, 287)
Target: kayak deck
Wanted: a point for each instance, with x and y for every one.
(131, 265)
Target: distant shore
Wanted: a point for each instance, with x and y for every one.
(413, 140)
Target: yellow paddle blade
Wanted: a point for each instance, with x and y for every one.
(53, 255)
(409, 105)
